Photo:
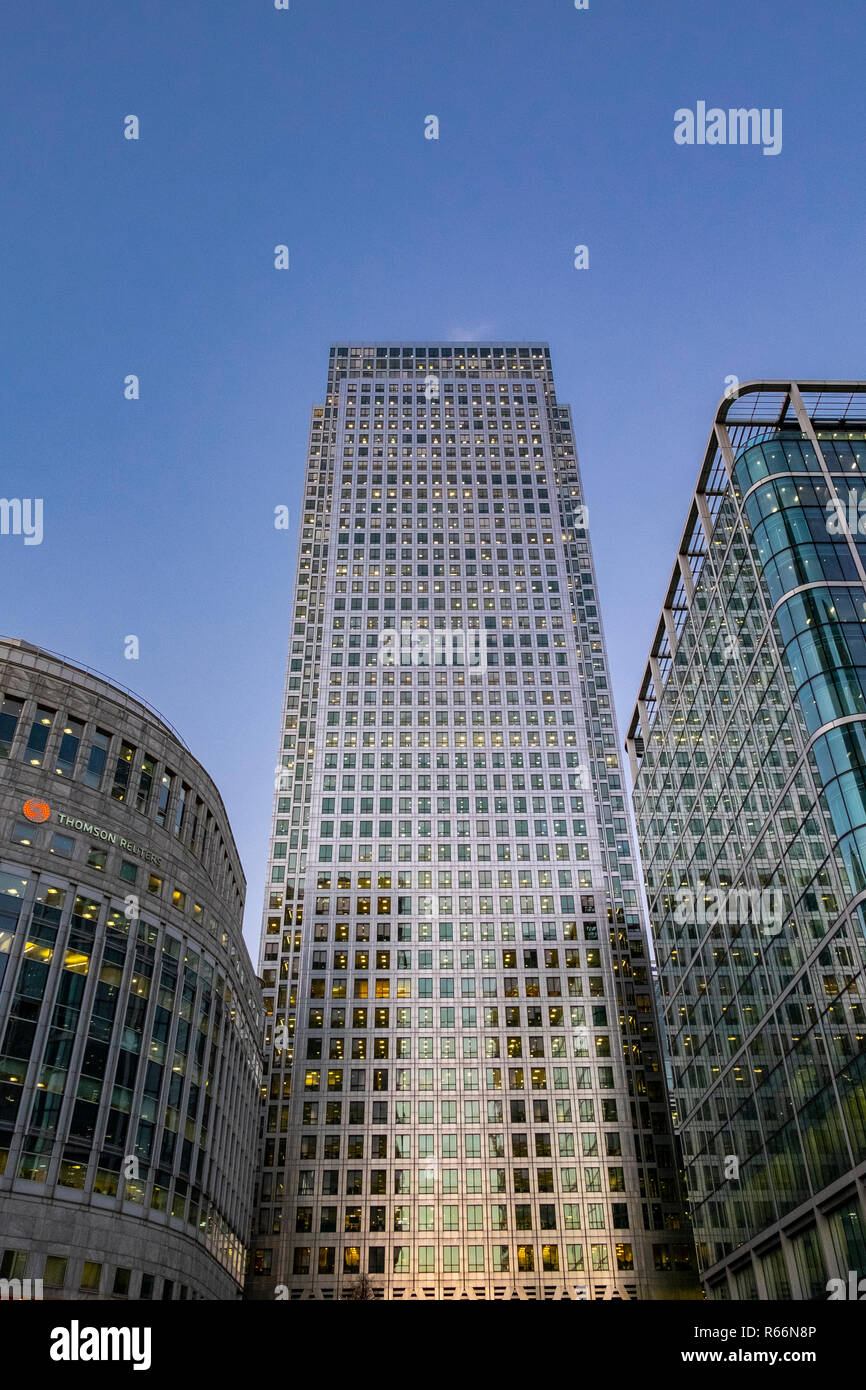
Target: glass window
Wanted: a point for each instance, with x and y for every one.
(10, 713)
(180, 811)
(97, 758)
(13, 1264)
(122, 772)
(846, 1231)
(776, 1275)
(73, 732)
(811, 1270)
(90, 1275)
(145, 783)
(54, 1276)
(23, 833)
(39, 731)
(165, 782)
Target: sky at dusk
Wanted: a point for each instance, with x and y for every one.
(305, 127)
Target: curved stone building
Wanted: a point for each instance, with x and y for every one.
(129, 1010)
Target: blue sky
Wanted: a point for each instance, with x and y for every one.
(306, 127)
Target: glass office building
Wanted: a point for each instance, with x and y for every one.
(130, 1016)
(464, 1093)
(748, 754)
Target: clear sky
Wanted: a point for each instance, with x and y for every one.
(306, 127)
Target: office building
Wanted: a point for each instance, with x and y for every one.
(130, 1015)
(465, 1093)
(748, 753)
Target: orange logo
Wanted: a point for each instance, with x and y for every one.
(37, 810)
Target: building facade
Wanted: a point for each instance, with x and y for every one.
(748, 753)
(464, 1089)
(130, 1014)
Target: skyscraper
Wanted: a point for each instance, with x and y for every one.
(464, 1092)
(748, 751)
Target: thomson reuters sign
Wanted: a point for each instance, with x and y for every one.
(39, 811)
